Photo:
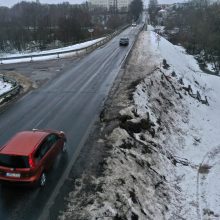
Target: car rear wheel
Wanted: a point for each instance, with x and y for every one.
(42, 180)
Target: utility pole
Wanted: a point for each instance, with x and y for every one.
(115, 6)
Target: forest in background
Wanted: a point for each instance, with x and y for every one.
(28, 25)
(31, 26)
(194, 25)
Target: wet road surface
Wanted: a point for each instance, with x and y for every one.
(70, 102)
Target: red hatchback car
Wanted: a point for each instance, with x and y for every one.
(27, 156)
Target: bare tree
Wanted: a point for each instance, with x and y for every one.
(136, 8)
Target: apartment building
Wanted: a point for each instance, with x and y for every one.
(100, 3)
(124, 3)
(119, 4)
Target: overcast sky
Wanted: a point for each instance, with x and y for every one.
(9, 3)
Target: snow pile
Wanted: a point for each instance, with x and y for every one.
(4, 86)
(48, 57)
(210, 67)
(164, 161)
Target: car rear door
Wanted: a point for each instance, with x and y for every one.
(48, 150)
(57, 144)
(43, 155)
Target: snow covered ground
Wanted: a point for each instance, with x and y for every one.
(164, 158)
(199, 141)
(210, 67)
(49, 57)
(4, 86)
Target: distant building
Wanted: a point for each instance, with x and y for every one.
(118, 4)
(100, 3)
(124, 3)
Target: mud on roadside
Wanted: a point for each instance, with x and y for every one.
(32, 75)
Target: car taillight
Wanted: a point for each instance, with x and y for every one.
(31, 162)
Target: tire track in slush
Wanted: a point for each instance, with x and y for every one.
(206, 164)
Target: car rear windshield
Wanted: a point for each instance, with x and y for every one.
(14, 161)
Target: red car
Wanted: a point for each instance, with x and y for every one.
(27, 156)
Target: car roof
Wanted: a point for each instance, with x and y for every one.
(23, 143)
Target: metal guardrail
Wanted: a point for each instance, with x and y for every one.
(87, 49)
(15, 89)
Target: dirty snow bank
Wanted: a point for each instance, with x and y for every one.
(164, 144)
(4, 86)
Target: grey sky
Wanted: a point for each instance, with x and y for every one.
(9, 3)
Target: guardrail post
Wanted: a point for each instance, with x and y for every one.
(1, 62)
(31, 59)
(58, 55)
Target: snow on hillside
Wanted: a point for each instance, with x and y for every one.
(198, 140)
(165, 157)
(63, 49)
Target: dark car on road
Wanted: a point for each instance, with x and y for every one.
(124, 41)
(27, 157)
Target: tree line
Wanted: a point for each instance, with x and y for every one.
(32, 26)
(29, 23)
(197, 25)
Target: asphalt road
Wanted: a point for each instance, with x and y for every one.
(70, 102)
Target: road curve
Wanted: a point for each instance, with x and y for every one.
(70, 102)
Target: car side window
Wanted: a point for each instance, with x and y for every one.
(51, 140)
(46, 146)
(40, 151)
